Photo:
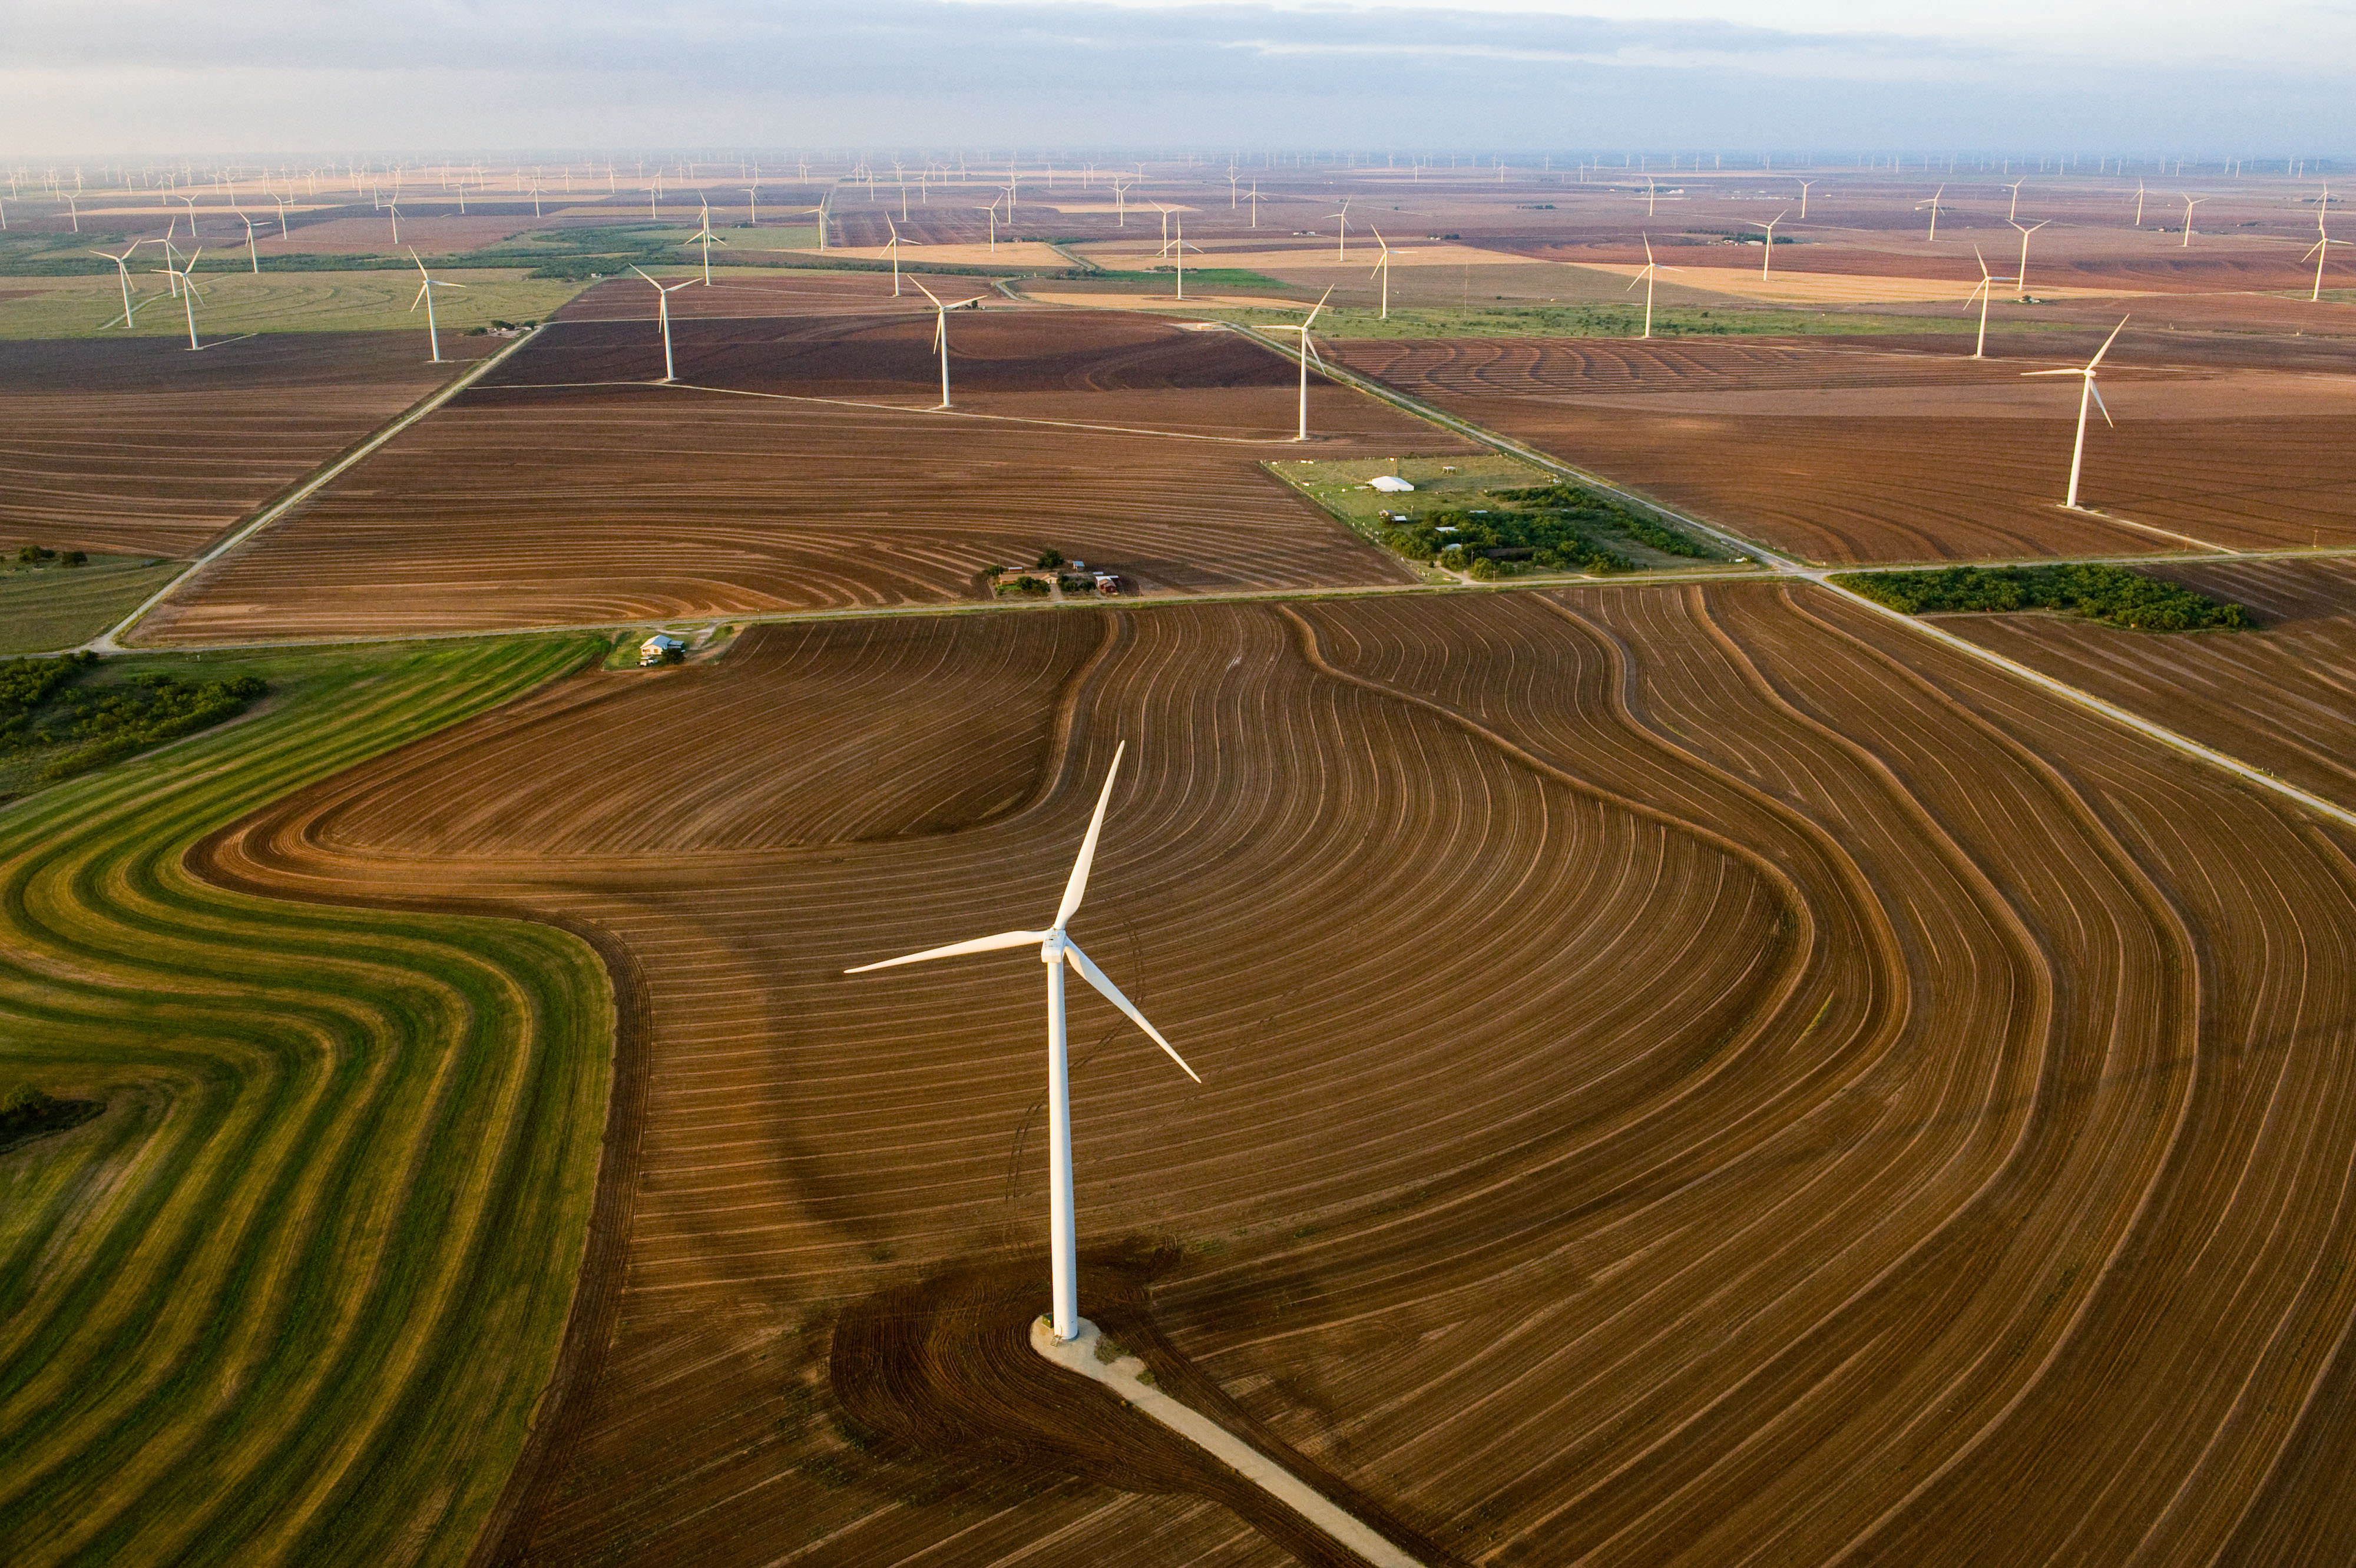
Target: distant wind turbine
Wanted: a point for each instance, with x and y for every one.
(1983, 288)
(2321, 250)
(753, 197)
(2021, 281)
(2014, 211)
(391, 208)
(662, 313)
(2085, 395)
(181, 276)
(1382, 270)
(1341, 234)
(124, 272)
(1934, 205)
(251, 256)
(1056, 950)
(1646, 277)
(425, 297)
(941, 331)
(1308, 352)
(282, 201)
(2190, 203)
(2138, 222)
(1803, 197)
(704, 236)
(1767, 255)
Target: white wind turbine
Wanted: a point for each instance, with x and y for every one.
(1803, 197)
(2020, 282)
(2014, 212)
(2138, 222)
(124, 272)
(1342, 235)
(180, 275)
(1057, 949)
(704, 236)
(1934, 205)
(425, 297)
(2086, 395)
(2321, 250)
(941, 331)
(391, 208)
(1255, 204)
(1986, 286)
(2190, 203)
(251, 256)
(1308, 352)
(662, 313)
(1767, 255)
(1382, 270)
(282, 201)
(1646, 277)
(891, 248)
(753, 197)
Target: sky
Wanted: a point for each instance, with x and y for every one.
(2264, 79)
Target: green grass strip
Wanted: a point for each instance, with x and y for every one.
(292, 1298)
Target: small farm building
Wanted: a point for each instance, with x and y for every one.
(1391, 484)
(658, 647)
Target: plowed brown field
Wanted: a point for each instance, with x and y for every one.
(139, 445)
(1691, 1074)
(2282, 696)
(1846, 452)
(800, 466)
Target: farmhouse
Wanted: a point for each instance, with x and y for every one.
(659, 649)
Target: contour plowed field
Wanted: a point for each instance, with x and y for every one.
(139, 445)
(2282, 696)
(1690, 1075)
(1843, 454)
(571, 493)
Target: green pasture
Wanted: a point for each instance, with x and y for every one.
(230, 303)
(52, 607)
(292, 1297)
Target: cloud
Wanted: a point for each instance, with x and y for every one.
(135, 75)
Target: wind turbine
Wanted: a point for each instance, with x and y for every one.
(124, 272)
(1383, 268)
(1646, 277)
(1767, 256)
(250, 255)
(392, 207)
(2321, 250)
(2190, 203)
(1255, 204)
(753, 197)
(2087, 394)
(1651, 192)
(1985, 287)
(282, 201)
(1934, 205)
(2014, 211)
(941, 341)
(1803, 197)
(1056, 950)
(2138, 222)
(892, 249)
(1342, 235)
(2021, 282)
(662, 313)
(189, 291)
(704, 236)
(425, 297)
(1308, 352)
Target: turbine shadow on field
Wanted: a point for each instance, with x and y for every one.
(938, 1375)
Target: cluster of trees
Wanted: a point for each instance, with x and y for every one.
(2112, 594)
(1554, 528)
(84, 726)
(40, 556)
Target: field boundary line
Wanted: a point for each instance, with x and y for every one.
(1079, 1354)
(110, 640)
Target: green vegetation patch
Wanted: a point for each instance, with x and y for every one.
(1223, 277)
(294, 1299)
(54, 603)
(2115, 596)
(1488, 516)
(237, 302)
(56, 721)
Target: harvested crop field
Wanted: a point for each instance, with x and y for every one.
(799, 465)
(1844, 452)
(1689, 1074)
(137, 445)
(2282, 697)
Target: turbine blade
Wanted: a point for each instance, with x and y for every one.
(2100, 403)
(928, 294)
(421, 294)
(1111, 993)
(1077, 887)
(2074, 371)
(2107, 342)
(1314, 311)
(979, 944)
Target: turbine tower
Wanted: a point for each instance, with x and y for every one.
(1308, 352)
(941, 331)
(1767, 254)
(1645, 276)
(2086, 395)
(662, 313)
(1057, 949)
(425, 297)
